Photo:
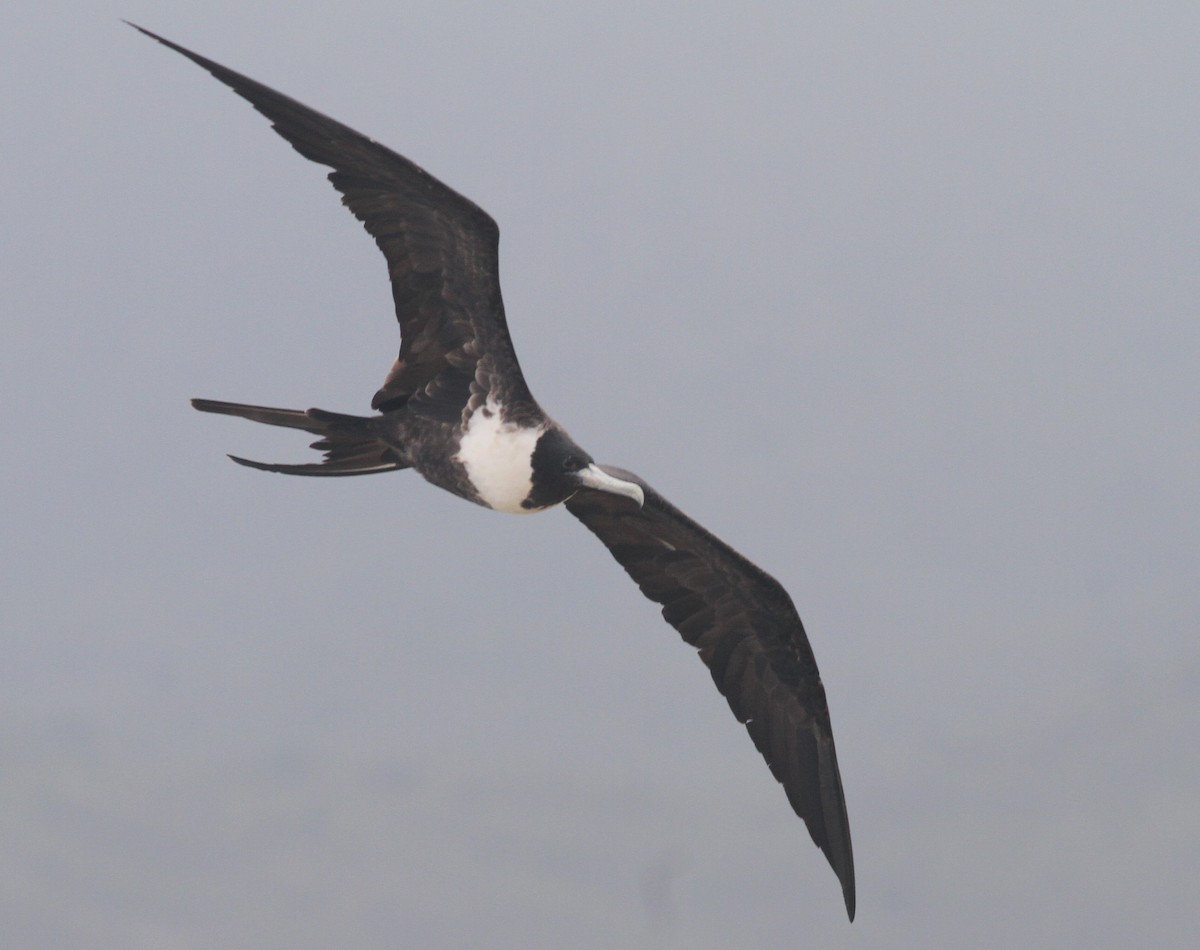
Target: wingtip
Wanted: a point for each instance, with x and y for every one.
(833, 838)
(845, 876)
(195, 57)
(142, 29)
(841, 859)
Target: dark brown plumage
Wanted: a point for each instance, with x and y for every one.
(748, 634)
(455, 403)
(441, 251)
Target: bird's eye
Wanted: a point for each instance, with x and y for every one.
(571, 464)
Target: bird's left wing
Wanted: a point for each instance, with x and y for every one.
(441, 250)
(747, 631)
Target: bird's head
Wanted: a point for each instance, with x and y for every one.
(561, 468)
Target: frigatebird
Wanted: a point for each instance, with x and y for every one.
(456, 409)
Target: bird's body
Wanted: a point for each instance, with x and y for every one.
(456, 409)
(488, 458)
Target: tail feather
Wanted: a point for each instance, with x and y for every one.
(351, 443)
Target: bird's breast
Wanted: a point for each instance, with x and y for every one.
(498, 458)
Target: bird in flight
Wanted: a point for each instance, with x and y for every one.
(456, 409)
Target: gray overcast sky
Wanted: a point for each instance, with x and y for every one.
(900, 299)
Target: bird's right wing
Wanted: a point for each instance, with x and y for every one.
(747, 631)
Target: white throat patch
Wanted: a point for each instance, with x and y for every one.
(498, 457)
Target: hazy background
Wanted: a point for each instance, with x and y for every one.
(900, 299)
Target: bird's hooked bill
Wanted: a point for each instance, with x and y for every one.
(595, 477)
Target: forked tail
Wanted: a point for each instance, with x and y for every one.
(351, 443)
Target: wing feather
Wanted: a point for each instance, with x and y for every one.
(748, 633)
(442, 253)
